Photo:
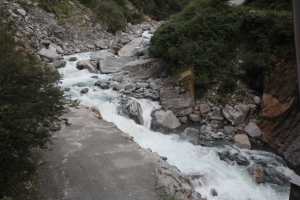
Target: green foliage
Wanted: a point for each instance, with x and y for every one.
(201, 36)
(6, 198)
(207, 34)
(55, 6)
(270, 4)
(31, 105)
(113, 12)
(160, 9)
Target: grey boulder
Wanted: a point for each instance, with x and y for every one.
(164, 121)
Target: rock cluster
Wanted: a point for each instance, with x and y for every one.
(262, 171)
(174, 183)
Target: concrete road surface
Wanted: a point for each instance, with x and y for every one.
(93, 160)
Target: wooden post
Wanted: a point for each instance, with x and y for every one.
(296, 14)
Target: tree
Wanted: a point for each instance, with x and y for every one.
(31, 106)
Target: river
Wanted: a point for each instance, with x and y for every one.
(232, 182)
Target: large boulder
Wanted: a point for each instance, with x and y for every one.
(49, 53)
(177, 93)
(84, 64)
(164, 121)
(144, 69)
(253, 130)
(59, 63)
(242, 141)
(96, 56)
(239, 113)
(131, 109)
(131, 48)
(113, 64)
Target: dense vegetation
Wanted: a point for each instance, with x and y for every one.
(208, 35)
(270, 4)
(31, 105)
(160, 9)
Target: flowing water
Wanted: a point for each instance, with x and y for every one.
(232, 182)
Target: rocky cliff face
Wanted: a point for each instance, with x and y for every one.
(280, 112)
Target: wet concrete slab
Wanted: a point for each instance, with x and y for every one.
(93, 160)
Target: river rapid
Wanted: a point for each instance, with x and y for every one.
(232, 182)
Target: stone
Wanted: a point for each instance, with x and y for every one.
(194, 117)
(84, 64)
(253, 130)
(97, 56)
(59, 63)
(142, 85)
(100, 44)
(72, 59)
(236, 115)
(21, 11)
(229, 129)
(84, 91)
(104, 86)
(204, 108)
(113, 64)
(49, 53)
(257, 100)
(191, 131)
(181, 104)
(242, 141)
(131, 109)
(164, 121)
(213, 192)
(58, 48)
(131, 48)
(183, 119)
(144, 69)
(96, 112)
(258, 175)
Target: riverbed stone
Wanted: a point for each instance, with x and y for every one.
(84, 64)
(204, 108)
(59, 63)
(49, 53)
(131, 109)
(171, 96)
(194, 117)
(84, 91)
(164, 121)
(113, 64)
(191, 131)
(131, 48)
(96, 56)
(144, 69)
(253, 130)
(242, 141)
